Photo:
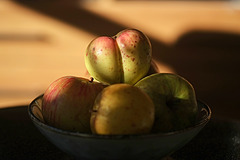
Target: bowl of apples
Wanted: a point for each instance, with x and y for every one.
(126, 113)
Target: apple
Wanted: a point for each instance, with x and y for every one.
(123, 58)
(174, 99)
(67, 103)
(153, 68)
(122, 109)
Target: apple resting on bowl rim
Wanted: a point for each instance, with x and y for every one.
(91, 146)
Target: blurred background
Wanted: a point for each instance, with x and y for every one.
(41, 41)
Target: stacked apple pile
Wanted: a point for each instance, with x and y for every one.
(124, 99)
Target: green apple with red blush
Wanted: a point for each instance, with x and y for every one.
(67, 103)
(123, 58)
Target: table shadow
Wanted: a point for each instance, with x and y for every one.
(20, 139)
(210, 60)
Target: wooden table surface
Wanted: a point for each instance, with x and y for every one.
(41, 41)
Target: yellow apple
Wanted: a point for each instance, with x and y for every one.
(122, 109)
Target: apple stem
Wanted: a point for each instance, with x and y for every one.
(92, 110)
(91, 80)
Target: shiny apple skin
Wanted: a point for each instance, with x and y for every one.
(122, 109)
(123, 58)
(103, 60)
(67, 103)
(136, 53)
(174, 99)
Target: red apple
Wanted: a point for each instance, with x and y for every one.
(67, 103)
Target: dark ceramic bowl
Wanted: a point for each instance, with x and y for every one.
(92, 147)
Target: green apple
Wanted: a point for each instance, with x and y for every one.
(123, 58)
(122, 109)
(174, 99)
(67, 103)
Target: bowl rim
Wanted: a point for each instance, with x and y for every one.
(38, 122)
